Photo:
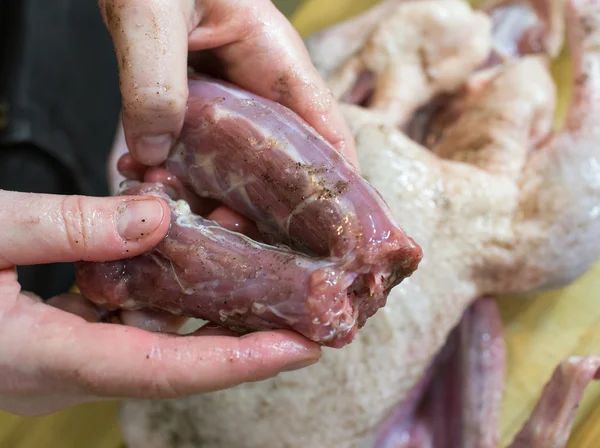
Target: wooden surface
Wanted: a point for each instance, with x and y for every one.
(541, 330)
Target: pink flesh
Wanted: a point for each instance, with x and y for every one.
(462, 403)
(203, 270)
(552, 419)
(362, 91)
(265, 163)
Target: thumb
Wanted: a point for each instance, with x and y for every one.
(40, 228)
(150, 40)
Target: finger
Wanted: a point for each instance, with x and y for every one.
(115, 177)
(263, 53)
(39, 228)
(150, 40)
(130, 168)
(78, 305)
(134, 170)
(155, 321)
(118, 361)
(232, 220)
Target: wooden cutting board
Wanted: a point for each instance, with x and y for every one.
(542, 329)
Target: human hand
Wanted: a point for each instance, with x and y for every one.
(254, 44)
(51, 359)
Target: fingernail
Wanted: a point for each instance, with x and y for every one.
(153, 149)
(300, 365)
(138, 218)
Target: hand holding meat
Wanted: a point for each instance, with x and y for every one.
(339, 251)
(250, 42)
(51, 359)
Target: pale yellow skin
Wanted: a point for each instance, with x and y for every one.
(414, 49)
(498, 206)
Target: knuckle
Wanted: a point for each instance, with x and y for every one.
(162, 383)
(164, 389)
(255, 19)
(147, 104)
(76, 225)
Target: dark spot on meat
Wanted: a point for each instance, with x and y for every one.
(143, 220)
(326, 194)
(292, 187)
(341, 186)
(313, 170)
(76, 241)
(147, 356)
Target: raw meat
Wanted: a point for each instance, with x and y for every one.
(263, 161)
(517, 210)
(201, 269)
(365, 60)
(459, 403)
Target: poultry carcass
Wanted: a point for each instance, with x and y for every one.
(500, 203)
